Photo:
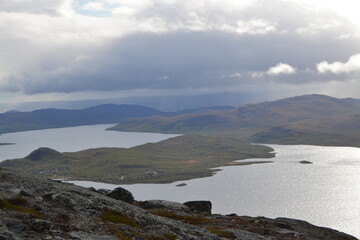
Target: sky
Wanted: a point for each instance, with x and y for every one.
(63, 50)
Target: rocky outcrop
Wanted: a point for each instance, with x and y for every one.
(122, 194)
(33, 208)
(199, 206)
(162, 204)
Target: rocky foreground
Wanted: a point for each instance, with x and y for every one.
(34, 208)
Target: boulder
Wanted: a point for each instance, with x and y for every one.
(103, 191)
(121, 194)
(175, 206)
(39, 225)
(199, 206)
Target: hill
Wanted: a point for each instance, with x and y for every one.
(33, 208)
(13, 121)
(179, 158)
(279, 121)
(333, 131)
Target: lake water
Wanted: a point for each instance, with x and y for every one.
(72, 139)
(325, 193)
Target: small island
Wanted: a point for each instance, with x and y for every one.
(181, 185)
(305, 162)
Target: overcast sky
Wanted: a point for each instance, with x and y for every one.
(265, 49)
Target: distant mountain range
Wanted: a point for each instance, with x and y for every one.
(309, 119)
(13, 121)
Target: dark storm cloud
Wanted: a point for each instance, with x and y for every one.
(171, 45)
(191, 60)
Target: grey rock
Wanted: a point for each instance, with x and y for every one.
(199, 206)
(14, 226)
(5, 234)
(7, 237)
(244, 235)
(25, 193)
(103, 191)
(164, 204)
(121, 194)
(40, 225)
(90, 236)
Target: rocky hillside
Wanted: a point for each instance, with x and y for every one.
(34, 208)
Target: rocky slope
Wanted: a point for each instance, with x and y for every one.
(35, 208)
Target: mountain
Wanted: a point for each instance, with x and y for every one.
(281, 121)
(332, 131)
(13, 121)
(37, 208)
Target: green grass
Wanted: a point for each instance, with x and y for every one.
(18, 204)
(180, 158)
(116, 217)
(193, 220)
(221, 233)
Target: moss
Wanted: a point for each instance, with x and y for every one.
(17, 204)
(154, 238)
(115, 231)
(221, 233)
(193, 220)
(163, 237)
(168, 236)
(116, 217)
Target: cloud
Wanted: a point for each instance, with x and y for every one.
(52, 7)
(351, 66)
(94, 6)
(281, 69)
(64, 46)
(235, 75)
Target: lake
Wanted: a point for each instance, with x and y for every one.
(72, 139)
(325, 193)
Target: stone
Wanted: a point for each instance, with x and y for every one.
(199, 206)
(103, 191)
(90, 236)
(151, 204)
(14, 226)
(121, 194)
(40, 225)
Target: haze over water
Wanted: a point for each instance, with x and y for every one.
(325, 193)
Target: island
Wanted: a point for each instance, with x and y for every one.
(175, 159)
